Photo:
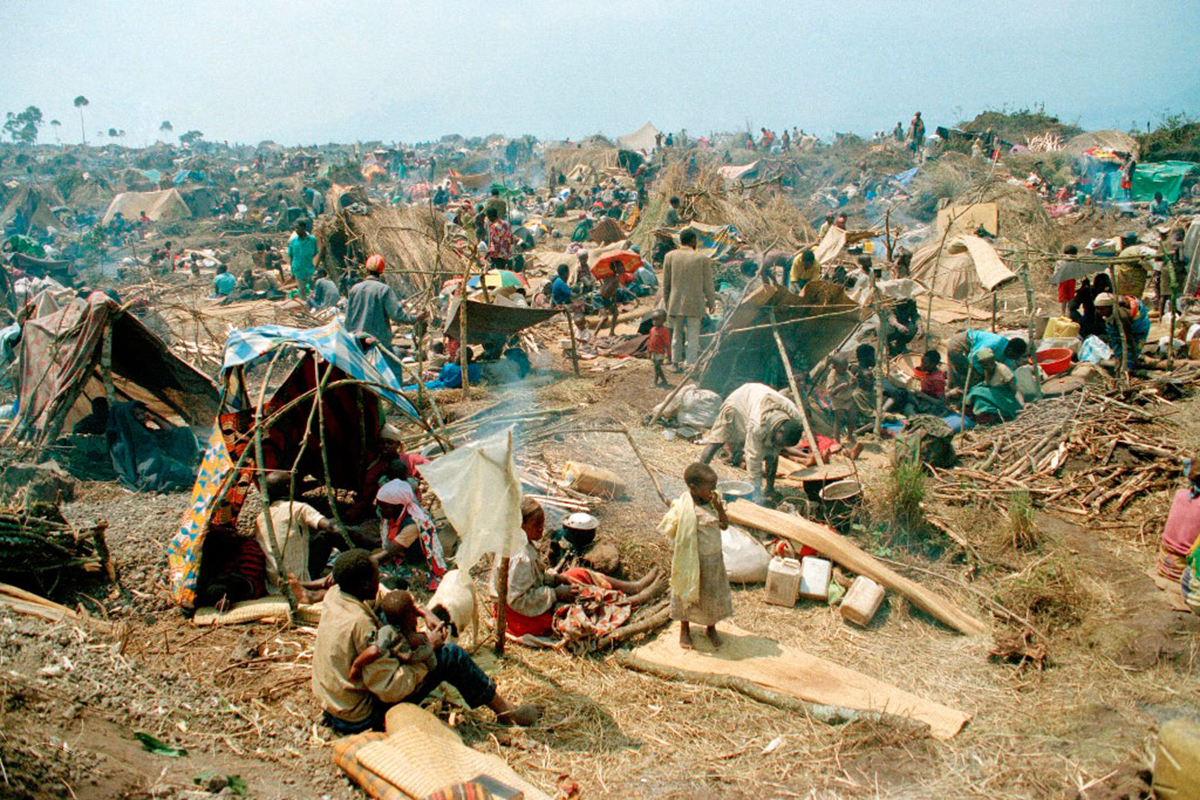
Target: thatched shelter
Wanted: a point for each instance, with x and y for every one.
(420, 247)
(761, 214)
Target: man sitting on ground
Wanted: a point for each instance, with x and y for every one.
(347, 628)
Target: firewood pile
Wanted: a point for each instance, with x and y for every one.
(1088, 455)
(36, 540)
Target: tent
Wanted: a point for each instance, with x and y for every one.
(642, 140)
(161, 205)
(1117, 141)
(969, 269)
(351, 385)
(1163, 176)
(35, 202)
(68, 355)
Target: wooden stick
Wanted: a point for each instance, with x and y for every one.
(645, 466)
(502, 607)
(787, 366)
(574, 344)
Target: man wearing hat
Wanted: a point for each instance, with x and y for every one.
(372, 306)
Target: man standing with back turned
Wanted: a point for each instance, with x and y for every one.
(687, 293)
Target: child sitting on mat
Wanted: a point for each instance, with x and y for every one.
(699, 585)
(399, 638)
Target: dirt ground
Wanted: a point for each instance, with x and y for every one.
(238, 699)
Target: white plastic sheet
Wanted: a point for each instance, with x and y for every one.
(481, 496)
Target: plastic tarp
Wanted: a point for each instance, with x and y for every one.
(161, 205)
(716, 241)
(481, 496)
(1163, 176)
(332, 342)
(969, 268)
(642, 139)
(830, 246)
(733, 173)
(60, 356)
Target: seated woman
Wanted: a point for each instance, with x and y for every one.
(1126, 318)
(994, 398)
(534, 591)
(1182, 528)
(406, 523)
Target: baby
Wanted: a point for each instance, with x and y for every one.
(399, 638)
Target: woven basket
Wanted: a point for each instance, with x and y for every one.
(421, 756)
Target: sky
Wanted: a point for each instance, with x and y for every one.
(315, 71)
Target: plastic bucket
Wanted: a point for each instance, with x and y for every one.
(1054, 360)
(734, 490)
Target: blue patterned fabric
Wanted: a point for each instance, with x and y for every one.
(331, 342)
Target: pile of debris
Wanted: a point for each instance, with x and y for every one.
(1085, 455)
(37, 540)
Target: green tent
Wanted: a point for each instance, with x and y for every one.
(1162, 176)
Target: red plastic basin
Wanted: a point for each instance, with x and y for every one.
(1054, 360)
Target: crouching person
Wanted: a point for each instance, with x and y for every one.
(348, 628)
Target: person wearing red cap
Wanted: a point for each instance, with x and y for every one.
(372, 306)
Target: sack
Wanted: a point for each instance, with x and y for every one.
(699, 409)
(1094, 350)
(746, 561)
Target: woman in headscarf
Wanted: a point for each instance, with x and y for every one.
(406, 523)
(540, 601)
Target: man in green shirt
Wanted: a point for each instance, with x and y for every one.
(302, 253)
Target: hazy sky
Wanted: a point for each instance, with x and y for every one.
(309, 71)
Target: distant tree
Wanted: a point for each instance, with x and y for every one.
(56, 125)
(80, 102)
(191, 138)
(23, 127)
(112, 133)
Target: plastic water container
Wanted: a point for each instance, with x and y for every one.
(1061, 328)
(783, 581)
(862, 601)
(815, 574)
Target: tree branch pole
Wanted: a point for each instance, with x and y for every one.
(574, 344)
(337, 518)
(1037, 370)
(268, 523)
(502, 588)
(791, 376)
(881, 356)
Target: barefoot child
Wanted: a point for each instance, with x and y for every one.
(399, 637)
(840, 388)
(699, 586)
(658, 344)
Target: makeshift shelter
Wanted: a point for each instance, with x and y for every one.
(968, 270)
(487, 322)
(165, 204)
(421, 249)
(73, 354)
(642, 140)
(1117, 141)
(1163, 176)
(333, 370)
(35, 204)
(810, 325)
(735, 173)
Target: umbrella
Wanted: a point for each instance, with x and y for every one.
(626, 258)
(497, 278)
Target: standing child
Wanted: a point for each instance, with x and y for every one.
(840, 388)
(658, 344)
(699, 585)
